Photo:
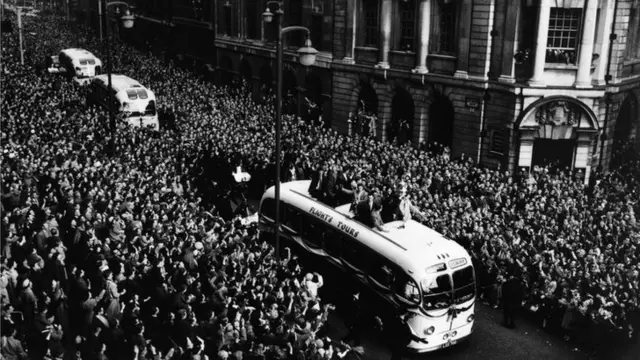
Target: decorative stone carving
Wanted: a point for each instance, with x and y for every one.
(558, 113)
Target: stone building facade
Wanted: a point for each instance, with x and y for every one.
(509, 83)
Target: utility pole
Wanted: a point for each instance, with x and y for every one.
(19, 13)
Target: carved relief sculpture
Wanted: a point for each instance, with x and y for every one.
(557, 113)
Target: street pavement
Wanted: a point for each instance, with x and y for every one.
(490, 341)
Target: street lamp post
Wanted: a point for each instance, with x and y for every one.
(19, 13)
(127, 22)
(307, 56)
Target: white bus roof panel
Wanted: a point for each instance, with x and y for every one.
(119, 82)
(76, 52)
(413, 245)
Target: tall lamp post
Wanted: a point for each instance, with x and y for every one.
(307, 56)
(19, 13)
(127, 21)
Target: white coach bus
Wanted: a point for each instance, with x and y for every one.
(135, 103)
(79, 64)
(414, 270)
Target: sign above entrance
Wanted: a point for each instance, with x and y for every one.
(558, 113)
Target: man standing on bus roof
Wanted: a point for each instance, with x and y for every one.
(376, 218)
(406, 209)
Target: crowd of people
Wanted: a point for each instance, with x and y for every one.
(126, 255)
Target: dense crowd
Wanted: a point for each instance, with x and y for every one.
(126, 255)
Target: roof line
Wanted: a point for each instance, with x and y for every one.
(354, 220)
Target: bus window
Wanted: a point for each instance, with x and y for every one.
(355, 254)
(312, 233)
(151, 108)
(142, 94)
(406, 288)
(291, 217)
(269, 208)
(332, 240)
(381, 272)
(437, 291)
(132, 94)
(464, 285)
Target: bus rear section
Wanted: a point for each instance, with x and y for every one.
(80, 64)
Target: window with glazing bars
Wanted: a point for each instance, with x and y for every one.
(371, 23)
(407, 25)
(228, 20)
(447, 25)
(564, 31)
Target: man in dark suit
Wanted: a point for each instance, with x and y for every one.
(364, 209)
(512, 296)
(328, 187)
(317, 179)
(344, 186)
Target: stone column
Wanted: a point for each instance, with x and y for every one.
(541, 43)
(462, 64)
(385, 34)
(509, 37)
(350, 33)
(604, 28)
(424, 19)
(583, 78)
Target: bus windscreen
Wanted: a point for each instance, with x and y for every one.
(436, 291)
(464, 285)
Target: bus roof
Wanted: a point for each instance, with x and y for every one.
(77, 52)
(411, 247)
(119, 82)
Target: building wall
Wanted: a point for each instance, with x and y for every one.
(489, 93)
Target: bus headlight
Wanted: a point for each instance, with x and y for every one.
(446, 336)
(470, 318)
(429, 330)
(454, 333)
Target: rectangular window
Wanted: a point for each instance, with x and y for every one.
(312, 232)
(498, 139)
(437, 291)
(268, 208)
(632, 49)
(371, 29)
(355, 254)
(332, 242)
(316, 31)
(407, 25)
(406, 288)
(447, 28)
(228, 20)
(251, 16)
(464, 284)
(381, 271)
(294, 17)
(562, 40)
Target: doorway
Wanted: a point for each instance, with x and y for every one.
(441, 118)
(553, 154)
